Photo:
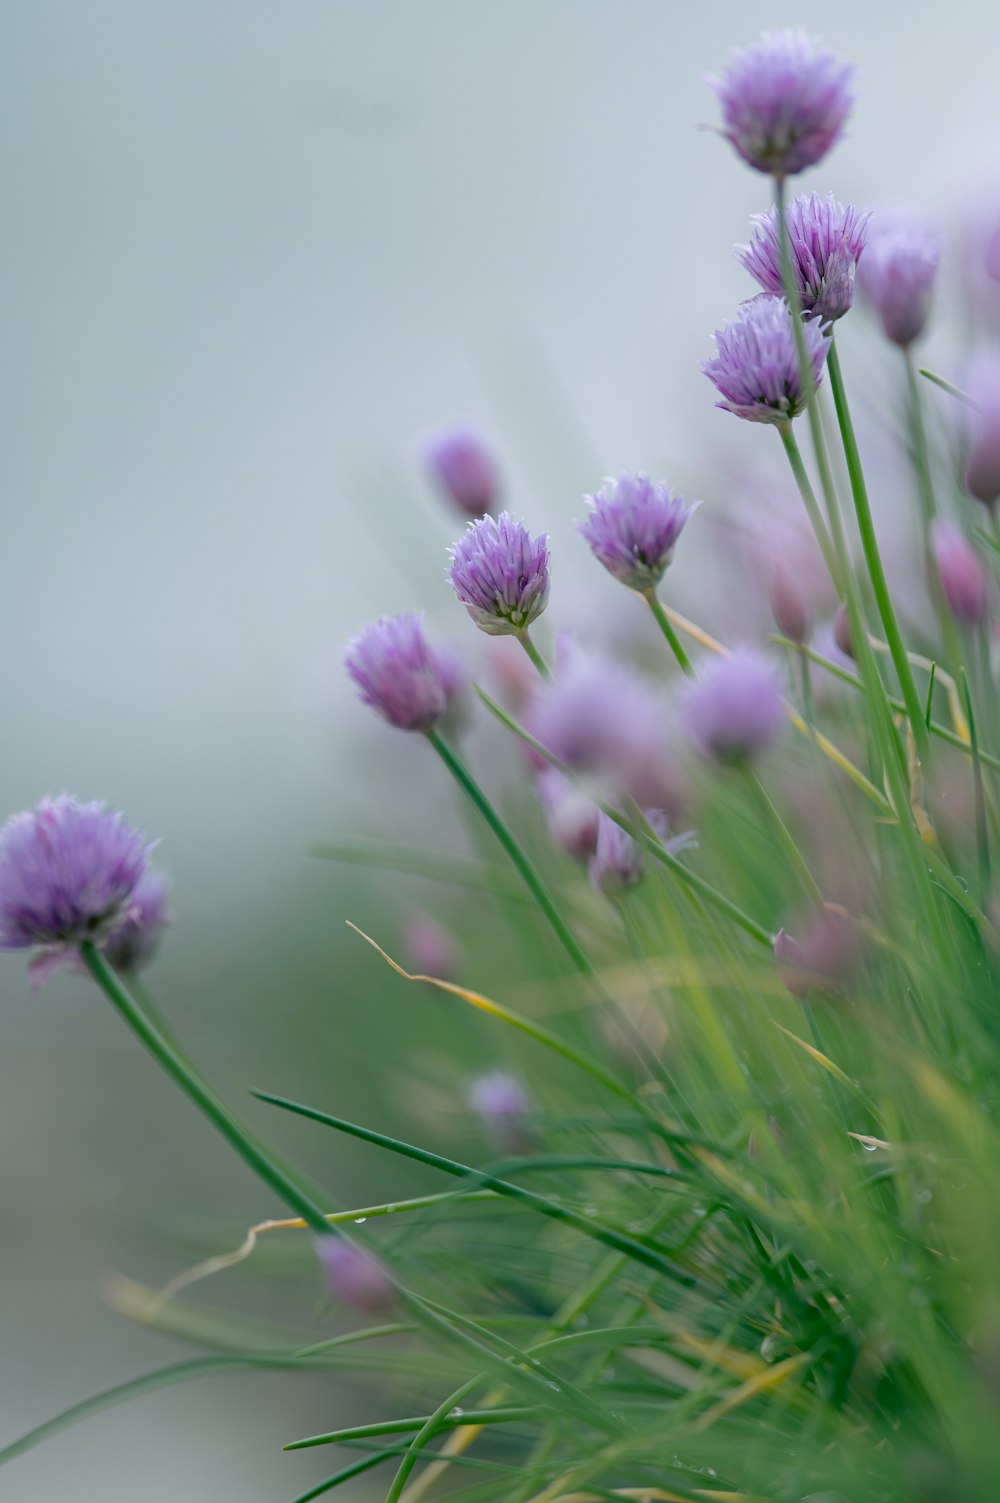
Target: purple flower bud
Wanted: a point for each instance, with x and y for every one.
(826, 244)
(502, 1105)
(501, 574)
(756, 369)
(735, 711)
(897, 276)
(605, 723)
(571, 816)
(461, 464)
(430, 948)
(68, 872)
(790, 606)
(633, 528)
(355, 1277)
(982, 464)
(823, 957)
(963, 578)
(400, 675)
(133, 942)
(842, 631)
(784, 102)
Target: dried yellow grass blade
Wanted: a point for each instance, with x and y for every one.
(820, 1058)
(762, 1382)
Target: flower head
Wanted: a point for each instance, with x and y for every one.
(355, 1277)
(756, 368)
(502, 1105)
(430, 948)
(571, 816)
(823, 956)
(784, 102)
(734, 711)
(461, 465)
(606, 724)
(982, 463)
(134, 940)
(897, 276)
(963, 578)
(400, 675)
(501, 574)
(633, 528)
(826, 243)
(790, 605)
(68, 873)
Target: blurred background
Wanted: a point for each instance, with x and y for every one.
(251, 254)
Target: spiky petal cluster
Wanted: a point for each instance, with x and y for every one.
(756, 367)
(400, 675)
(68, 873)
(462, 466)
(133, 942)
(784, 102)
(618, 862)
(826, 242)
(501, 574)
(633, 527)
(734, 711)
(897, 277)
(963, 579)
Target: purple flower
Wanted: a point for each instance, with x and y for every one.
(400, 675)
(571, 816)
(133, 942)
(790, 605)
(607, 725)
(897, 276)
(826, 242)
(354, 1277)
(963, 578)
(842, 637)
(501, 574)
(756, 369)
(68, 873)
(982, 464)
(633, 529)
(784, 102)
(823, 957)
(735, 711)
(430, 948)
(459, 461)
(502, 1105)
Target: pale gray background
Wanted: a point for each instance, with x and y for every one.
(250, 251)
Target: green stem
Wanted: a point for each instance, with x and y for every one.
(530, 877)
(536, 657)
(948, 386)
(873, 558)
(785, 839)
(666, 626)
(184, 1075)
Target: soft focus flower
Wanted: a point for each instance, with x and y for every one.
(897, 276)
(790, 605)
(963, 578)
(823, 956)
(133, 941)
(607, 724)
(784, 102)
(618, 862)
(429, 947)
(826, 242)
(756, 369)
(355, 1277)
(982, 463)
(399, 674)
(734, 711)
(501, 574)
(459, 461)
(68, 872)
(842, 632)
(502, 1105)
(571, 816)
(633, 528)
